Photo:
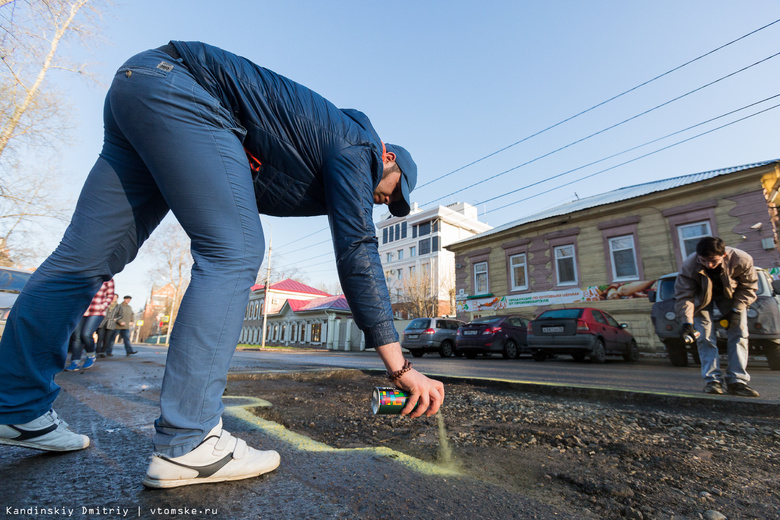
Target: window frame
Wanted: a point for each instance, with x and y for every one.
(575, 264)
(487, 277)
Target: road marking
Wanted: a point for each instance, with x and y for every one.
(307, 444)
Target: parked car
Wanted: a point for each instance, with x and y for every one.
(504, 334)
(431, 335)
(763, 322)
(580, 332)
(11, 283)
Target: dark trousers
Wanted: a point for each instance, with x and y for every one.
(112, 336)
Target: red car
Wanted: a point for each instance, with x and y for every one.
(580, 332)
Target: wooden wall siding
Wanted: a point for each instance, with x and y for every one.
(750, 209)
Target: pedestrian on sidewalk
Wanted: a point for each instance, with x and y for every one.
(123, 320)
(82, 339)
(102, 330)
(214, 138)
(721, 277)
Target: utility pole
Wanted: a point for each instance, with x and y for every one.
(267, 287)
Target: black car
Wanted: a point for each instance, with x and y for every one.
(504, 334)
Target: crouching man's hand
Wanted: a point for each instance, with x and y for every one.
(428, 393)
(688, 330)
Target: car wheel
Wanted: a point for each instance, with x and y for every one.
(510, 349)
(445, 349)
(633, 352)
(678, 354)
(417, 352)
(598, 354)
(578, 356)
(539, 356)
(471, 354)
(773, 356)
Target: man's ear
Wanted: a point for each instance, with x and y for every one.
(388, 157)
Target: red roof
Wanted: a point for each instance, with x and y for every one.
(290, 285)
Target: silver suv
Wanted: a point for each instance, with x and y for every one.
(431, 335)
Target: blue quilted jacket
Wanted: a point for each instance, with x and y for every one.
(316, 159)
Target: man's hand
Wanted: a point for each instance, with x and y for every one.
(427, 394)
(732, 317)
(688, 330)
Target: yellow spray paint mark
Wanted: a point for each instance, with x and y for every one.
(303, 443)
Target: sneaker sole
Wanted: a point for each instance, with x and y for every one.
(171, 483)
(36, 446)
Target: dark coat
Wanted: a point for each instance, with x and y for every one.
(316, 160)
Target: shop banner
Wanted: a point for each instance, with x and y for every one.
(618, 291)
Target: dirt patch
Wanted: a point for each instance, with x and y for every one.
(613, 459)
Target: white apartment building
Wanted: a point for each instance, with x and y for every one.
(411, 249)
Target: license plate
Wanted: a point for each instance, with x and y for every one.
(552, 330)
(413, 336)
(470, 332)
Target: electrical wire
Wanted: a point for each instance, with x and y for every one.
(599, 104)
(605, 129)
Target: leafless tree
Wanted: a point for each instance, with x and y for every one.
(169, 249)
(32, 35)
(418, 296)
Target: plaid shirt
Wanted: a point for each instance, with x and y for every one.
(102, 300)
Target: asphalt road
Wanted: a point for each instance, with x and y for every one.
(649, 374)
(116, 402)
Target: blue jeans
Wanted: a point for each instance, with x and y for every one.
(168, 144)
(119, 333)
(737, 349)
(82, 336)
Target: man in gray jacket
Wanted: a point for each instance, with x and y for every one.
(722, 277)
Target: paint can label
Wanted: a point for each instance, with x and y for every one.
(388, 401)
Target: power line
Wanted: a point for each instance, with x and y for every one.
(599, 104)
(629, 161)
(605, 129)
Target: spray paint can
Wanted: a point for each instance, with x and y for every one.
(388, 401)
(692, 339)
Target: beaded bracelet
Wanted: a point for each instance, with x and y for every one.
(398, 373)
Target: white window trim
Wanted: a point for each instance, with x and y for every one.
(487, 278)
(574, 266)
(615, 277)
(680, 239)
(516, 287)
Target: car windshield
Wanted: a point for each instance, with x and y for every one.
(560, 313)
(487, 319)
(666, 289)
(419, 323)
(13, 281)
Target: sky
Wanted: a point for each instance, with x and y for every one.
(490, 97)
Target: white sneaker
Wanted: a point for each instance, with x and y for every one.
(47, 432)
(220, 457)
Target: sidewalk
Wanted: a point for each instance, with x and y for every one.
(115, 403)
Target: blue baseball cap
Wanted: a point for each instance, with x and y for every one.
(408, 168)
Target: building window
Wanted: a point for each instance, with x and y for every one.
(623, 255)
(316, 332)
(518, 269)
(690, 234)
(400, 254)
(384, 236)
(435, 226)
(424, 229)
(412, 270)
(481, 278)
(392, 232)
(398, 231)
(435, 244)
(566, 265)
(426, 270)
(414, 231)
(413, 251)
(403, 229)
(400, 274)
(389, 257)
(425, 246)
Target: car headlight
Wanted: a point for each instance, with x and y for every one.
(670, 316)
(752, 313)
